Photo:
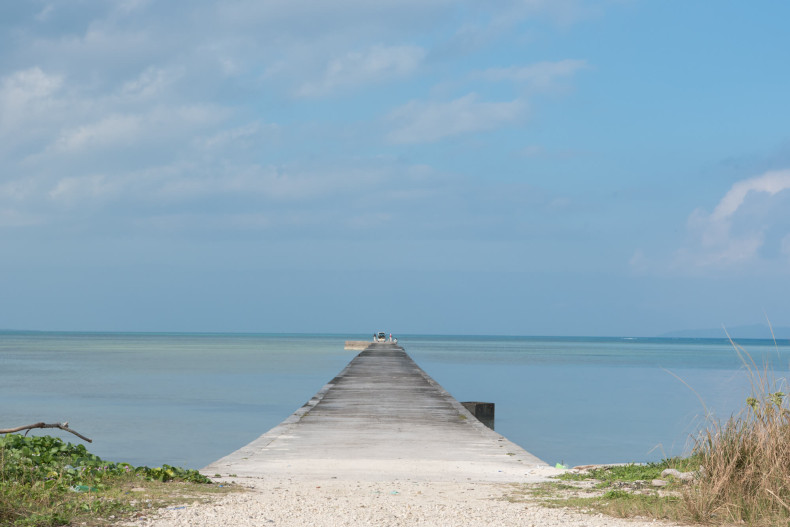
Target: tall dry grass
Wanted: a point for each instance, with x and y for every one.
(745, 461)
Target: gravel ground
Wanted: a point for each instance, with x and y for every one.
(291, 502)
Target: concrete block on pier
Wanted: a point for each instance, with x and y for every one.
(484, 412)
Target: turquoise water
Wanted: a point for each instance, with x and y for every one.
(189, 399)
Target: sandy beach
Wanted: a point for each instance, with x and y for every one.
(302, 502)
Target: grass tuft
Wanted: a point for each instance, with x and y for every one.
(741, 468)
(745, 476)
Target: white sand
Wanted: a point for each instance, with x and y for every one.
(299, 503)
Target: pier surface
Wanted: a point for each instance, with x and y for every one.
(382, 419)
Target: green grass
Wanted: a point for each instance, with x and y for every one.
(549, 489)
(625, 504)
(46, 482)
(621, 491)
(607, 476)
(632, 472)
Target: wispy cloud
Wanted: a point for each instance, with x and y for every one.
(425, 122)
(430, 121)
(235, 188)
(156, 126)
(111, 130)
(541, 76)
(26, 93)
(375, 65)
(151, 82)
(141, 106)
(244, 135)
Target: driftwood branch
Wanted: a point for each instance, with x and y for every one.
(62, 426)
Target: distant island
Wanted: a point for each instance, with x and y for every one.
(754, 331)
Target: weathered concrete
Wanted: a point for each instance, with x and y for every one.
(382, 418)
(483, 412)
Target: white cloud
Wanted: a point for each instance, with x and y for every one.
(83, 188)
(239, 135)
(150, 83)
(109, 131)
(45, 13)
(735, 232)
(375, 65)
(28, 85)
(135, 107)
(24, 92)
(539, 76)
(32, 104)
(425, 122)
(770, 183)
(127, 6)
(183, 183)
(175, 125)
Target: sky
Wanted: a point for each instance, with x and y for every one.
(516, 167)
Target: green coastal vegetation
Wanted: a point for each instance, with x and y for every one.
(738, 472)
(45, 481)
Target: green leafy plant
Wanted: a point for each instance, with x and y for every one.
(45, 481)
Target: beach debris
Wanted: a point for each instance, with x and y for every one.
(62, 426)
(83, 488)
(561, 466)
(684, 476)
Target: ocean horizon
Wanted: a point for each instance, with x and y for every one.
(190, 398)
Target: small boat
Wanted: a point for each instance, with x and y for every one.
(382, 337)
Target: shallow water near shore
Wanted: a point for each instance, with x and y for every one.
(189, 399)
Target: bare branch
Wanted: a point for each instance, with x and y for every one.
(62, 426)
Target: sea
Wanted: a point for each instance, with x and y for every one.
(189, 399)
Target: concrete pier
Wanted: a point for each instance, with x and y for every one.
(382, 418)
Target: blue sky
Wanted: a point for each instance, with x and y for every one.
(526, 167)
